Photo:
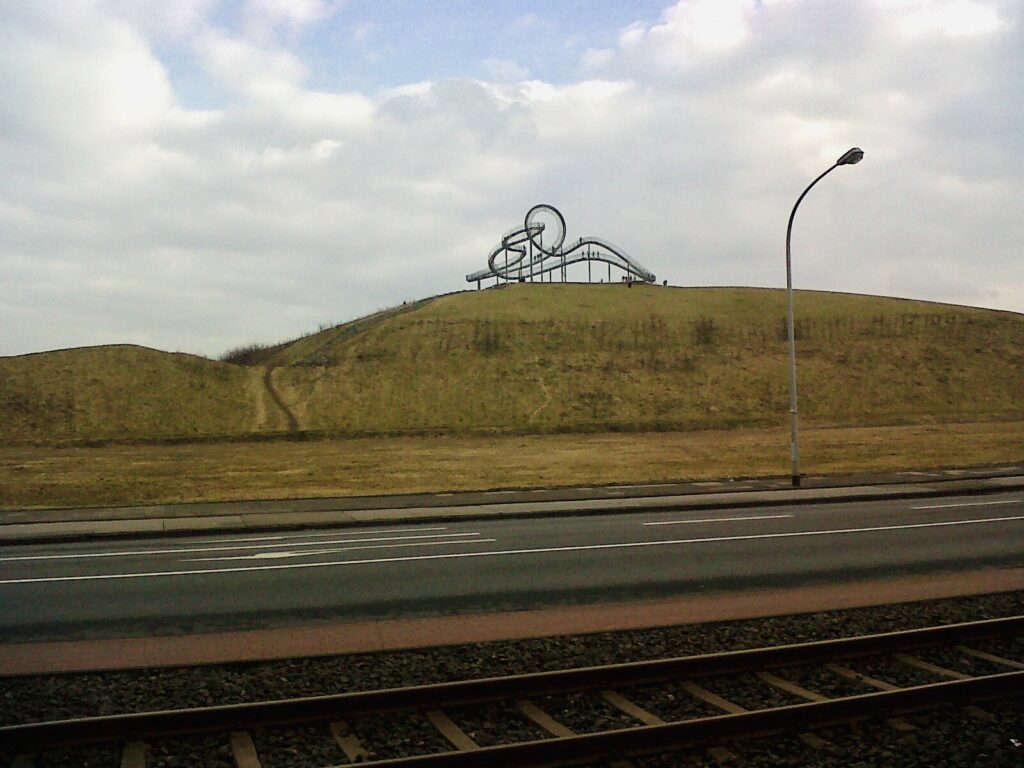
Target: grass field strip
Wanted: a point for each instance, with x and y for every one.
(719, 520)
(508, 552)
(190, 550)
(970, 504)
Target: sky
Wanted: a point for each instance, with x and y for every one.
(195, 175)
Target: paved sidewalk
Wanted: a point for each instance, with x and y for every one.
(51, 525)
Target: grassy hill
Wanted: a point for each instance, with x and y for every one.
(566, 357)
(125, 391)
(544, 358)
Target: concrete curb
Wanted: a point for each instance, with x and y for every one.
(241, 521)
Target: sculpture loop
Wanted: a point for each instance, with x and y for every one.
(539, 248)
(535, 228)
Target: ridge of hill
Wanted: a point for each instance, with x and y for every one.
(122, 391)
(546, 358)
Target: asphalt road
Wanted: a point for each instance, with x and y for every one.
(168, 586)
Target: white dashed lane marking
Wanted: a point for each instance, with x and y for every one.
(333, 550)
(190, 550)
(507, 552)
(312, 535)
(719, 520)
(970, 504)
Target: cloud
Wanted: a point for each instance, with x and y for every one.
(289, 11)
(597, 58)
(692, 27)
(168, 18)
(127, 216)
(362, 31)
(920, 274)
(505, 70)
(958, 18)
(74, 79)
(248, 68)
(526, 22)
(262, 17)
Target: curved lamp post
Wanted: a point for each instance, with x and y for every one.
(850, 157)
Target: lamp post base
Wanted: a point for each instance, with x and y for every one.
(796, 481)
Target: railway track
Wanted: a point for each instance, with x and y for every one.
(612, 713)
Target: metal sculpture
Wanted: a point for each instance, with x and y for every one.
(523, 255)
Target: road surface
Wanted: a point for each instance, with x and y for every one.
(135, 587)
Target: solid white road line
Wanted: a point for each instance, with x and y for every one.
(718, 520)
(189, 550)
(502, 553)
(318, 552)
(310, 535)
(971, 504)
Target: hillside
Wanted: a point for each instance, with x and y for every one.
(124, 392)
(565, 357)
(541, 358)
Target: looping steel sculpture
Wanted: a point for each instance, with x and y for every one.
(538, 248)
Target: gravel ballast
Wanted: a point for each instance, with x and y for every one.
(945, 738)
(35, 698)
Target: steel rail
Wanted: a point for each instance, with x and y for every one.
(32, 736)
(655, 739)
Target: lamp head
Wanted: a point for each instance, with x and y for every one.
(851, 157)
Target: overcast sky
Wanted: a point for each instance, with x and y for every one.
(193, 175)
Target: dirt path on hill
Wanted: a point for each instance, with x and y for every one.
(547, 400)
(268, 383)
(258, 394)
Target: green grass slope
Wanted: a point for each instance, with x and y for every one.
(547, 358)
(122, 391)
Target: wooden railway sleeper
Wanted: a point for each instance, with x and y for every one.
(29, 737)
(452, 733)
(990, 657)
(32, 738)
(349, 742)
(244, 751)
(927, 666)
(635, 711)
(570, 750)
(677, 735)
(812, 740)
(134, 755)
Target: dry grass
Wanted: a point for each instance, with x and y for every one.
(121, 474)
(123, 391)
(547, 359)
(606, 384)
(564, 358)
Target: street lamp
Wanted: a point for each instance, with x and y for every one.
(850, 157)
